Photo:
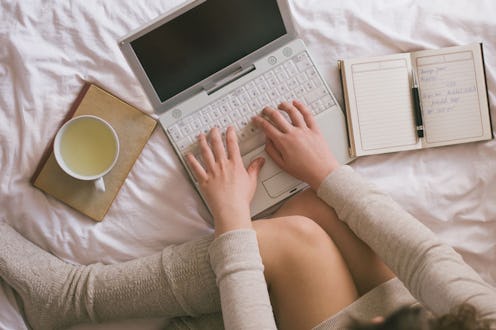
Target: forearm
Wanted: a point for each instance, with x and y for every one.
(433, 272)
(237, 264)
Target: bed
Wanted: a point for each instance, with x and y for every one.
(49, 49)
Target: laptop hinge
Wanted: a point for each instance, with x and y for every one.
(241, 72)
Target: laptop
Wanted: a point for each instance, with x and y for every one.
(220, 62)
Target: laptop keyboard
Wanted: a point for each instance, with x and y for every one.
(293, 79)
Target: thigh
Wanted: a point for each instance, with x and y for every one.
(307, 277)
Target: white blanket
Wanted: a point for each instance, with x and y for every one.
(48, 49)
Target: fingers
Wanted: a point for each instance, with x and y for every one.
(215, 152)
(294, 114)
(198, 170)
(269, 129)
(206, 151)
(305, 112)
(216, 144)
(273, 152)
(274, 126)
(254, 168)
(277, 119)
(232, 144)
(298, 113)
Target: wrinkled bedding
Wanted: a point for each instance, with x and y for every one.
(48, 50)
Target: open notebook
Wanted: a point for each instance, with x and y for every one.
(380, 102)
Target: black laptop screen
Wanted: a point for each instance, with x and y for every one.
(204, 40)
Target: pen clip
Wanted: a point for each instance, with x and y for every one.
(414, 79)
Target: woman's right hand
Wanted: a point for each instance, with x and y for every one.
(298, 147)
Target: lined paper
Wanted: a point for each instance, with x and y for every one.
(449, 97)
(383, 104)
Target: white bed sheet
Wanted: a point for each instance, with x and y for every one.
(47, 50)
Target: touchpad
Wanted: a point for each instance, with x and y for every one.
(279, 184)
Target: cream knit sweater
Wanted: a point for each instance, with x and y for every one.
(190, 283)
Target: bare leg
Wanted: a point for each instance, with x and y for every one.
(366, 267)
(307, 277)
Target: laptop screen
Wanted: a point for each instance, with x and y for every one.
(193, 46)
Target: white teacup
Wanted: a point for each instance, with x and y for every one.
(87, 147)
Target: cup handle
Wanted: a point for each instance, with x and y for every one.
(99, 184)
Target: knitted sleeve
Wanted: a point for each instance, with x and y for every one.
(238, 267)
(433, 272)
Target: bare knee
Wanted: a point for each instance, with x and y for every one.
(298, 229)
(303, 231)
(293, 243)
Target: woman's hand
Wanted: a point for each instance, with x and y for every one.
(227, 186)
(297, 147)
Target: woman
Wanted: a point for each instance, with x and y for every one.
(319, 253)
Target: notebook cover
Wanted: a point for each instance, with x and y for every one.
(133, 128)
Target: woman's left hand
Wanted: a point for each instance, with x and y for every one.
(227, 186)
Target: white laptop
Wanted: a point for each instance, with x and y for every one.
(219, 63)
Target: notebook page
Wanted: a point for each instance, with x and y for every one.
(381, 104)
(453, 95)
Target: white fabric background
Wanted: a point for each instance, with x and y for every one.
(48, 49)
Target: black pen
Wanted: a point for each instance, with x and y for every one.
(416, 106)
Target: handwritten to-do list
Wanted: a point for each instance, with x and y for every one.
(449, 96)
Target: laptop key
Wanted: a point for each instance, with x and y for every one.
(290, 67)
(184, 144)
(328, 102)
(244, 97)
(175, 132)
(234, 102)
(316, 94)
(187, 130)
